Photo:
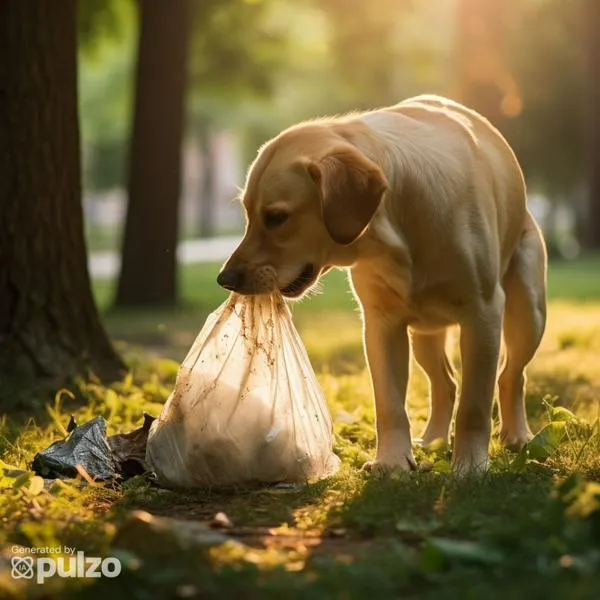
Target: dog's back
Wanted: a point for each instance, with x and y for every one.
(451, 170)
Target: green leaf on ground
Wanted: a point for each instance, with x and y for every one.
(439, 553)
(562, 414)
(545, 443)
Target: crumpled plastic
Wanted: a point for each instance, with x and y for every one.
(247, 407)
(103, 458)
(129, 449)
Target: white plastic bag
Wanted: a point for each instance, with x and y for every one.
(246, 407)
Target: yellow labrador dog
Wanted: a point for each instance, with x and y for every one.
(425, 203)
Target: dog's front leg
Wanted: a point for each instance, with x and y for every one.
(387, 350)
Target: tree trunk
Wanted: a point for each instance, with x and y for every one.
(50, 330)
(592, 19)
(206, 220)
(149, 262)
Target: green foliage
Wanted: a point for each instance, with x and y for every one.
(237, 51)
(530, 526)
(257, 66)
(101, 22)
(547, 59)
(107, 33)
(371, 61)
(236, 48)
(423, 534)
(547, 441)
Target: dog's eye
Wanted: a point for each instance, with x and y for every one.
(274, 219)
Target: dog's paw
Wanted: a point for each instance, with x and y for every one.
(434, 443)
(515, 441)
(470, 464)
(380, 468)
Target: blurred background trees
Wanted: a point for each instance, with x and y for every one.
(237, 53)
(256, 66)
(175, 99)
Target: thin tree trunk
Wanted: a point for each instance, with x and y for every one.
(206, 221)
(484, 82)
(592, 18)
(149, 263)
(49, 325)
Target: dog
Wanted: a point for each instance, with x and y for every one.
(424, 203)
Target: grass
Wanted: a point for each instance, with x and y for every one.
(530, 527)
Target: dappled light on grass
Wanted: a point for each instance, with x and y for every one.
(528, 523)
(286, 551)
(409, 528)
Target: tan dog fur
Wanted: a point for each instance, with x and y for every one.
(425, 202)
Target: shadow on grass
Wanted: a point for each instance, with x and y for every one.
(374, 538)
(260, 507)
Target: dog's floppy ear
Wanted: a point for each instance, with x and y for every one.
(351, 189)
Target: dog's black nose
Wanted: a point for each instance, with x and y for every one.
(230, 279)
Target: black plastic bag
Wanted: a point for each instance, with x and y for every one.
(103, 458)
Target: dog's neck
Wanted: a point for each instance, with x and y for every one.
(381, 234)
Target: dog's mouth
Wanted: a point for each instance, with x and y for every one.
(301, 283)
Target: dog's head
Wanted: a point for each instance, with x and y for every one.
(309, 195)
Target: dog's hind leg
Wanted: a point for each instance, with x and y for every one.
(480, 335)
(524, 323)
(429, 350)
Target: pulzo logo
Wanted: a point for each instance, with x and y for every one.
(28, 567)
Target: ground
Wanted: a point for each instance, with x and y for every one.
(530, 526)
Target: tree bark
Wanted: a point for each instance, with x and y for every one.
(50, 329)
(592, 20)
(149, 263)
